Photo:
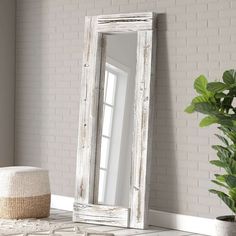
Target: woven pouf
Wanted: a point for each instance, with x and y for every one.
(24, 192)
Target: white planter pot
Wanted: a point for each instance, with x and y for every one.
(225, 226)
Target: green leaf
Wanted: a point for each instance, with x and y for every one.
(229, 133)
(200, 99)
(220, 178)
(224, 140)
(225, 198)
(232, 148)
(232, 137)
(226, 103)
(231, 163)
(232, 193)
(218, 163)
(189, 109)
(226, 122)
(220, 95)
(229, 77)
(208, 121)
(231, 181)
(222, 152)
(205, 108)
(200, 85)
(228, 164)
(220, 184)
(216, 87)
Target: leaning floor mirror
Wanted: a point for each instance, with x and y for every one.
(115, 120)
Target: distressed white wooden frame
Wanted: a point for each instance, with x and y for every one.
(85, 208)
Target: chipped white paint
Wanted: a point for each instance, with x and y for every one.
(122, 23)
(101, 214)
(88, 113)
(85, 208)
(142, 135)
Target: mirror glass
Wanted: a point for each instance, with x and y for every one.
(117, 120)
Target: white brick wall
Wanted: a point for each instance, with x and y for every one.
(194, 37)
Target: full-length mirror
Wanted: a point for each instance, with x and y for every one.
(115, 120)
(117, 116)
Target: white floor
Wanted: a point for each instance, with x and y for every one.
(66, 216)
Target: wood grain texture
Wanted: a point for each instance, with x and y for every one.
(142, 135)
(85, 208)
(101, 214)
(121, 23)
(87, 131)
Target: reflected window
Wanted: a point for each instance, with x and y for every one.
(108, 111)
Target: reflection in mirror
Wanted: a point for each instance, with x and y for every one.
(117, 123)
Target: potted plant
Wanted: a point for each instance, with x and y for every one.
(216, 101)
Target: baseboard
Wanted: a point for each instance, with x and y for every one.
(188, 223)
(62, 202)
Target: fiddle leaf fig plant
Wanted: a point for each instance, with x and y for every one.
(216, 101)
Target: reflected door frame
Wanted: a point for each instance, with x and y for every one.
(85, 209)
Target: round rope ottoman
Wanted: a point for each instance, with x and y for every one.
(24, 192)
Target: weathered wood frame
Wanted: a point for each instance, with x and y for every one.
(85, 209)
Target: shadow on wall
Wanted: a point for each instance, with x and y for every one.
(28, 88)
(34, 111)
(47, 89)
(164, 192)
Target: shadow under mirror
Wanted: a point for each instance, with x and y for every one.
(116, 121)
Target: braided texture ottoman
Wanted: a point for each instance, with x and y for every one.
(24, 192)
